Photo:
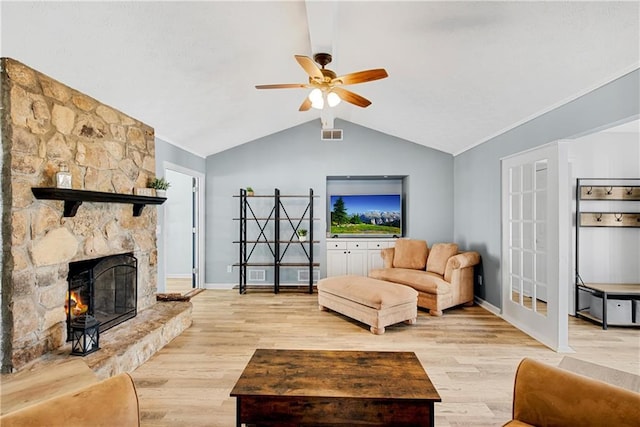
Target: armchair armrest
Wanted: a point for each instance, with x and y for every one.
(464, 259)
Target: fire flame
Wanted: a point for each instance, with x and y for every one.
(77, 307)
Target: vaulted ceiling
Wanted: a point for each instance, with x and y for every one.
(459, 72)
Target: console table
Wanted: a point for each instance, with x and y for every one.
(322, 387)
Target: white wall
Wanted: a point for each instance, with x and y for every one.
(608, 254)
(178, 218)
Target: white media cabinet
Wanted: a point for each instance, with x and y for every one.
(355, 255)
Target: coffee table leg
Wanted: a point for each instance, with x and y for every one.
(238, 404)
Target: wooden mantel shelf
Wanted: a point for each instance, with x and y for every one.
(74, 198)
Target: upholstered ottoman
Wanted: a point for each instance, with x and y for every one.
(374, 302)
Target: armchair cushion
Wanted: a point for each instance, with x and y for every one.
(440, 254)
(387, 257)
(410, 253)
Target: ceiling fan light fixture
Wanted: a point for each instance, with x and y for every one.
(315, 95)
(333, 99)
(316, 99)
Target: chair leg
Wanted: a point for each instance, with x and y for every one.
(377, 331)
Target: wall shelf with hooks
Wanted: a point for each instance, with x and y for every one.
(599, 204)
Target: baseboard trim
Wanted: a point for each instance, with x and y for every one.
(488, 306)
(219, 285)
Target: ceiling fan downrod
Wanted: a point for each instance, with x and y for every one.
(322, 58)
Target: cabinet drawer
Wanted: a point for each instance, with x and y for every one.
(377, 245)
(336, 245)
(356, 245)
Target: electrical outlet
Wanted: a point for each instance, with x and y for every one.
(480, 280)
(229, 268)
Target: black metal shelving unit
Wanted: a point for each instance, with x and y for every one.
(270, 233)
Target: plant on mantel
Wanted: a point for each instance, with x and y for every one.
(160, 185)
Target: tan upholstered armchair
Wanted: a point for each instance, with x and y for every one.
(442, 276)
(544, 395)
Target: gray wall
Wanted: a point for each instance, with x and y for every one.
(296, 159)
(477, 171)
(166, 152)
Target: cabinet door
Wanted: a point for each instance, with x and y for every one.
(336, 262)
(357, 262)
(375, 259)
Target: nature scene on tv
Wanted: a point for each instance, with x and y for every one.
(366, 214)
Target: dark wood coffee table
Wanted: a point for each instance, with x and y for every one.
(319, 387)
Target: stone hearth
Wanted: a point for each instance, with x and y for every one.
(46, 124)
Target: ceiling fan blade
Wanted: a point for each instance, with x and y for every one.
(309, 66)
(283, 86)
(306, 104)
(361, 76)
(352, 98)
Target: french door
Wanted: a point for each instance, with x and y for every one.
(535, 243)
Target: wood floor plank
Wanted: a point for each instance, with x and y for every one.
(470, 355)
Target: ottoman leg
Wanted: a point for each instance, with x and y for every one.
(411, 321)
(322, 308)
(377, 331)
(436, 313)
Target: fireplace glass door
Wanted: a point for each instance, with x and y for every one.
(105, 288)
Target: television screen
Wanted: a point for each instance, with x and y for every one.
(366, 214)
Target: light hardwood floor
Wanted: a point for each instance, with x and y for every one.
(181, 286)
(469, 354)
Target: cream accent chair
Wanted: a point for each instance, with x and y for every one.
(442, 276)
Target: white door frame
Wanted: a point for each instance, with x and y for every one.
(200, 236)
(550, 329)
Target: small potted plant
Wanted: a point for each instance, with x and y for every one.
(161, 185)
(302, 234)
(249, 191)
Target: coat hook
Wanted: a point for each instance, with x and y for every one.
(629, 191)
(618, 217)
(610, 189)
(590, 191)
(598, 217)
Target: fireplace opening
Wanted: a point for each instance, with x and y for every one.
(105, 288)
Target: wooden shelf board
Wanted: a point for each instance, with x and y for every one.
(614, 288)
(588, 315)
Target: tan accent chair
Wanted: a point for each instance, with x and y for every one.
(442, 276)
(544, 395)
(107, 403)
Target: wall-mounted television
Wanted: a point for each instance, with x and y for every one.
(365, 215)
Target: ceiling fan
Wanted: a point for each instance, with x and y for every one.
(326, 85)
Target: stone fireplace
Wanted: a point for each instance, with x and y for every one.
(45, 124)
